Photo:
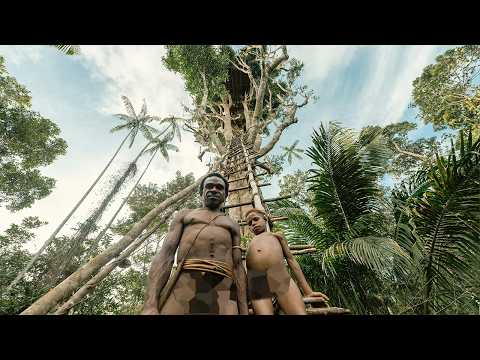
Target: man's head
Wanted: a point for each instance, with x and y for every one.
(214, 190)
(257, 220)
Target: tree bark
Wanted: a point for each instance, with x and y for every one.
(415, 155)
(50, 299)
(57, 230)
(105, 271)
(291, 119)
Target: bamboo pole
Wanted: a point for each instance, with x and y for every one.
(107, 269)
(50, 299)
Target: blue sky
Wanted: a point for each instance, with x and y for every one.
(356, 86)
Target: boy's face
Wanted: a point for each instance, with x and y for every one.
(256, 222)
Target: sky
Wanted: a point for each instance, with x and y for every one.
(356, 86)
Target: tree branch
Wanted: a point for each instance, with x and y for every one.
(415, 155)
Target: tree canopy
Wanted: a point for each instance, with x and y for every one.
(27, 141)
(447, 93)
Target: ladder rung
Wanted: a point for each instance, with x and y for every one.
(242, 178)
(248, 187)
(278, 198)
(278, 218)
(234, 172)
(237, 205)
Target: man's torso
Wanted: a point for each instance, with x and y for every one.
(203, 292)
(214, 242)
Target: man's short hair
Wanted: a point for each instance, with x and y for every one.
(263, 213)
(214, 174)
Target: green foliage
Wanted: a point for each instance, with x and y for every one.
(348, 227)
(406, 156)
(27, 142)
(448, 92)
(135, 122)
(296, 185)
(191, 61)
(13, 258)
(345, 176)
(69, 49)
(291, 152)
(146, 197)
(441, 224)
(414, 252)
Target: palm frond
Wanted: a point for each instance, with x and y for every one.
(343, 183)
(132, 136)
(143, 111)
(376, 253)
(69, 49)
(447, 220)
(120, 127)
(129, 107)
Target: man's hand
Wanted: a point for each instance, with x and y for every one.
(150, 311)
(318, 294)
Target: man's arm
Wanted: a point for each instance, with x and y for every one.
(162, 265)
(297, 270)
(239, 271)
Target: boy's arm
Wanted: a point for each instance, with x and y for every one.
(239, 271)
(162, 265)
(297, 270)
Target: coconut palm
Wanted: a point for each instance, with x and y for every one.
(438, 224)
(69, 49)
(134, 124)
(291, 152)
(154, 144)
(348, 230)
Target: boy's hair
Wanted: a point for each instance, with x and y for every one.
(266, 217)
(216, 175)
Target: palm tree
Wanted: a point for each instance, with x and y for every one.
(154, 144)
(161, 145)
(132, 122)
(354, 247)
(69, 49)
(438, 224)
(291, 152)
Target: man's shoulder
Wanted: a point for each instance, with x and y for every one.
(182, 213)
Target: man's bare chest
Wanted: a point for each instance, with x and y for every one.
(198, 218)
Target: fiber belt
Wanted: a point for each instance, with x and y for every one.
(213, 266)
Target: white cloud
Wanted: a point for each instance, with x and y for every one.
(320, 60)
(22, 53)
(386, 95)
(137, 72)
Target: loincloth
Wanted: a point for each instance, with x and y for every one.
(212, 266)
(203, 287)
(267, 284)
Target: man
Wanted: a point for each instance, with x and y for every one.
(267, 274)
(210, 275)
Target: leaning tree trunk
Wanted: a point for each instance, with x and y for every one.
(88, 225)
(67, 286)
(105, 271)
(57, 230)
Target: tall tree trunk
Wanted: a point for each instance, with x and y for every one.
(50, 299)
(57, 230)
(92, 220)
(105, 271)
(102, 233)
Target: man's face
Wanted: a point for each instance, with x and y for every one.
(256, 222)
(213, 194)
